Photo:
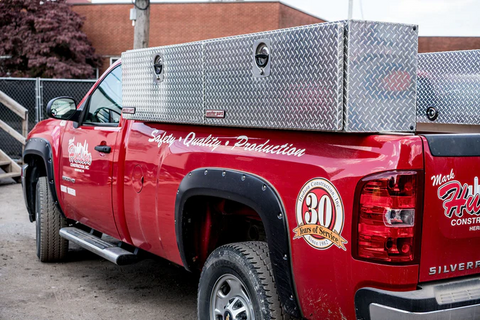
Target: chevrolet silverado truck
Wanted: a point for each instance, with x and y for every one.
(319, 172)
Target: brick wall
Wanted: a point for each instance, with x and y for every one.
(110, 30)
(289, 17)
(435, 44)
(178, 23)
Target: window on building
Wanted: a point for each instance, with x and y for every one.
(113, 60)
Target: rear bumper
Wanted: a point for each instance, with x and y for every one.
(464, 313)
(454, 299)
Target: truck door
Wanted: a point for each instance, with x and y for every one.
(87, 157)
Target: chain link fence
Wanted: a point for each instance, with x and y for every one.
(34, 95)
(52, 88)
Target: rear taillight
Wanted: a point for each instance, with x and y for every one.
(386, 216)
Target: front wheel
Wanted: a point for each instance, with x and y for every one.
(50, 246)
(237, 284)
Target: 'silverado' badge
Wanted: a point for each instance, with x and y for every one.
(320, 215)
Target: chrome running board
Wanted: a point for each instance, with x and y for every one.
(98, 246)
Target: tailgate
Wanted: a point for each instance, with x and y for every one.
(451, 219)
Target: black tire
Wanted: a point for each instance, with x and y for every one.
(50, 246)
(249, 262)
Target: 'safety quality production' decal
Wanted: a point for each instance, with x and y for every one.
(320, 215)
(242, 142)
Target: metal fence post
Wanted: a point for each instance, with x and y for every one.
(37, 100)
(40, 82)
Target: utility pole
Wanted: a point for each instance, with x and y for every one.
(350, 9)
(142, 25)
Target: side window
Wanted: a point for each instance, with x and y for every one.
(105, 105)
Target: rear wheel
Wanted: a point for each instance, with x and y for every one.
(237, 284)
(50, 246)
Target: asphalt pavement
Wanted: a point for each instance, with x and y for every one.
(85, 286)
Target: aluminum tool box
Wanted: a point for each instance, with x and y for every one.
(449, 88)
(352, 76)
(178, 98)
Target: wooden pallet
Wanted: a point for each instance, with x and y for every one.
(11, 168)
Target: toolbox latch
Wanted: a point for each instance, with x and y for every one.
(158, 68)
(261, 58)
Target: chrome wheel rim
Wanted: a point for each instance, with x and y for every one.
(230, 300)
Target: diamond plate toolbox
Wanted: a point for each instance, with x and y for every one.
(303, 90)
(178, 98)
(380, 76)
(449, 87)
(350, 76)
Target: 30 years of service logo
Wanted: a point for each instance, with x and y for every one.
(320, 215)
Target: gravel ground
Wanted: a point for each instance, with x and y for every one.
(85, 286)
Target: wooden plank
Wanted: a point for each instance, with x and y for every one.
(13, 105)
(12, 132)
(25, 126)
(14, 170)
(24, 129)
(9, 175)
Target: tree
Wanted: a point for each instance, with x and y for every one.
(44, 39)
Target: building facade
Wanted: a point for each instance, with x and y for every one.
(109, 28)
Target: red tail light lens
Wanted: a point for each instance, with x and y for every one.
(386, 217)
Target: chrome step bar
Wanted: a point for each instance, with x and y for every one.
(104, 249)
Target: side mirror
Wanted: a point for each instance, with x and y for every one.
(62, 108)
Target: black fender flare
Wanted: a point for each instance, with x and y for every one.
(41, 148)
(259, 195)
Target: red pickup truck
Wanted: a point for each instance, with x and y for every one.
(299, 170)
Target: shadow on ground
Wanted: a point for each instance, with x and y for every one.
(85, 286)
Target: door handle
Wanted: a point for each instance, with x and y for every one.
(104, 149)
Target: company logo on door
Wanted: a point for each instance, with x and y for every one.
(320, 215)
(459, 199)
(78, 154)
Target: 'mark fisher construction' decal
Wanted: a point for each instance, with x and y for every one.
(461, 201)
(320, 215)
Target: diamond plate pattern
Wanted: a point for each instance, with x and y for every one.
(380, 76)
(178, 98)
(449, 82)
(353, 76)
(303, 90)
